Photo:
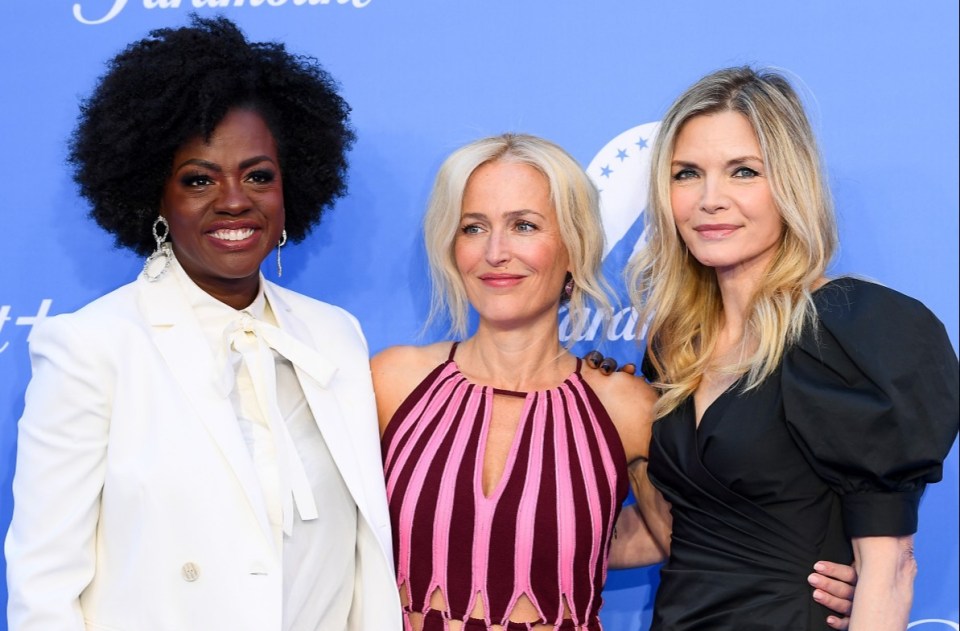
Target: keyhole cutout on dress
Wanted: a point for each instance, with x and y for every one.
(503, 427)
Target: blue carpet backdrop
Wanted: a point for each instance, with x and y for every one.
(425, 76)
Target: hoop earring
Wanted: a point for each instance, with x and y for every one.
(280, 244)
(157, 263)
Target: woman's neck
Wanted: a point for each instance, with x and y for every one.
(737, 291)
(520, 359)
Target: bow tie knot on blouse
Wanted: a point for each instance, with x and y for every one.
(254, 345)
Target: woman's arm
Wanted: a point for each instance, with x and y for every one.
(642, 535)
(633, 545)
(887, 568)
(61, 465)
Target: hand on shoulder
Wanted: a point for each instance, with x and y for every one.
(607, 365)
(398, 370)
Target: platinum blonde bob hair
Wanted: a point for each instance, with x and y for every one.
(575, 200)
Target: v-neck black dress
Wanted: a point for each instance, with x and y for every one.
(838, 443)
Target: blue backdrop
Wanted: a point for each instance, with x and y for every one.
(424, 76)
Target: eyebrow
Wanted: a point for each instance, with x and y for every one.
(731, 162)
(513, 214)
(206, 164)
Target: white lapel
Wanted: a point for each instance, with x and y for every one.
(179, 338)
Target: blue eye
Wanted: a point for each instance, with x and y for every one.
(745, 172)
(470, 229)
(525, 226)
(684, 174)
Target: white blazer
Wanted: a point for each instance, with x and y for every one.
(136, 504)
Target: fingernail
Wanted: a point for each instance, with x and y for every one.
(813, 580)
(820, 567)
(817, 595)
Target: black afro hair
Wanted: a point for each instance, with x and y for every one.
(179, 83)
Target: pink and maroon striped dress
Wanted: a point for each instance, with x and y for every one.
(544, 531)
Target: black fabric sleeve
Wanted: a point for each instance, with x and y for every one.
(871, 396)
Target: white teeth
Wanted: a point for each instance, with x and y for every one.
(233, 235)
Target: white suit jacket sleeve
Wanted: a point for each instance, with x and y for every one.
(61, 461)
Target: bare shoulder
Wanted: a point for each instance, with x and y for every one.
(629, 401)
(398, 370)
(621, 391)
(399, 360)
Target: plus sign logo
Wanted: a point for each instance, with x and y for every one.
(21, 320)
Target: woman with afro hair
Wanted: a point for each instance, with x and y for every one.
(180, 433)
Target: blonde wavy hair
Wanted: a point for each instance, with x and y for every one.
(677, 297)
(575, 200)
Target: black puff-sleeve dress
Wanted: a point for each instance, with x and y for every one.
(838, 443)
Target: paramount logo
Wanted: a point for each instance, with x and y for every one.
(119, 5)
(620, 171)
(623, 326)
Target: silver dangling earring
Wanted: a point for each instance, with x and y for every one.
(280, 244)
(158, 262)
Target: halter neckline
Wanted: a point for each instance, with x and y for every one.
(509, 393)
